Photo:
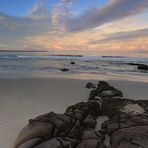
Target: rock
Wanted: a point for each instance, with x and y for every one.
(54, 128)
(90, 85)
(104, 90)
(64, 69)
(143, 67)
(59, 142)
(72, 63)
(134, 64)
(111, 106)
(140, 66)
(89, 121)
(31, 143)
(45, 126)
(81, 111)
(127, 130)
(132, 137)
(36, 130)
(92, 139)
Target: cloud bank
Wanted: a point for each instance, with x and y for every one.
(123, 36)
(112, 11)
(56, 30)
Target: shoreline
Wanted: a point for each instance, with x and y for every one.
(23, 99)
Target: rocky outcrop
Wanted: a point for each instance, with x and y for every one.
(52, 130)
(127, 126)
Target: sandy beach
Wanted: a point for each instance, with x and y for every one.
(23, 99)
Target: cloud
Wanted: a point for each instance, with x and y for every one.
(42, 30)
(61, 12)
(38, 20)
(14, 29)
(123, 36)
(14, 25)
(38, 10)
(112, 11)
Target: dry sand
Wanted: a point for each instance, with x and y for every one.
(22, 99)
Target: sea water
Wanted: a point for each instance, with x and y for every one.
(31, 64)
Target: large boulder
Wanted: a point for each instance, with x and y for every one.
(58, 130)
(45, 127)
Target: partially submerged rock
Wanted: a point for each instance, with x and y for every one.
(64, 69)
(134, 64)
(72, 63)
(142, 67)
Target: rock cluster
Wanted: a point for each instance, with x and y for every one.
(126, 127)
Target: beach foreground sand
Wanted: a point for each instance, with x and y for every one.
(22, 99)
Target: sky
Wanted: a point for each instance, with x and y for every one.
(93, 27)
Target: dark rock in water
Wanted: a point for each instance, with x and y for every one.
(134, 64)
(143, 67)
(72, 63)
(140, 66)
(90, 85)
(127, 126)
(64, 69)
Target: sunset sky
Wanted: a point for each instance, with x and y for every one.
(99, 27)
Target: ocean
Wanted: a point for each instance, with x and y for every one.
(32, 64)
